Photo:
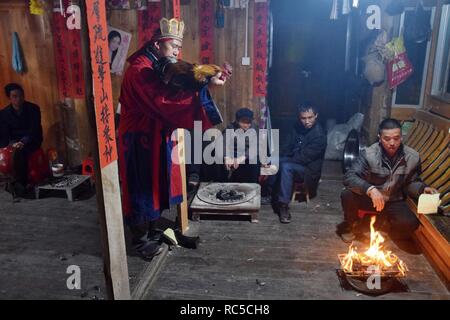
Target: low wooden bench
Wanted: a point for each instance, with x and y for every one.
(430, 136)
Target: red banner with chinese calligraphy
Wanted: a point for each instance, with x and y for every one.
(148, 21)
(60, 40)
(261, 12)
(76, 63)
(104, 112)
(68, 56)
(176, 9)
(206, 21)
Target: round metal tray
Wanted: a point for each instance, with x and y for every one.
(208, 193)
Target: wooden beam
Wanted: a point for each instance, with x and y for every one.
(107, 181)
(182, 208)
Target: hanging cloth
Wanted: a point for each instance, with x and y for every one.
(17, 59)
(420, 30)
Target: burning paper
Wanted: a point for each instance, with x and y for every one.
(355, 263)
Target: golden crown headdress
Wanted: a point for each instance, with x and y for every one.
(172, 28)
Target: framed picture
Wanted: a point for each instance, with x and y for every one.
(119, 44)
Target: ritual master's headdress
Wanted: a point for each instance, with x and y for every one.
(171, 29)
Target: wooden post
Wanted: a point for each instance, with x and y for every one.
(182, 207)
(71, 136)
(101, 112)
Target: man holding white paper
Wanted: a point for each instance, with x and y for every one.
(379, 181)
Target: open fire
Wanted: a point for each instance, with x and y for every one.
(375, 258)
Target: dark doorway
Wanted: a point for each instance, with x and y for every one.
(308, 60)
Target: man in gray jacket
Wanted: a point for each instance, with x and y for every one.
(379, 181)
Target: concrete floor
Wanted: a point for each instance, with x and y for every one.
(40, 239)
(240, 260)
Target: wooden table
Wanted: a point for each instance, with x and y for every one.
(67, 183)
(248, 208)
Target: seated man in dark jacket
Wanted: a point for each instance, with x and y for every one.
(302, 159)
(379, 181)
(21, 129)
(241, 162)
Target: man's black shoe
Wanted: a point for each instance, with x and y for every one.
(147, 247)
(346, 231)
(285, 215)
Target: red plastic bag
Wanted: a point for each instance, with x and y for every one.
(399, 67)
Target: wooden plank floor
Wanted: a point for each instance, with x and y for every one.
(39, 239)
(240, 260)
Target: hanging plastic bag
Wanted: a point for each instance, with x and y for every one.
(374, 62)
(399, 67)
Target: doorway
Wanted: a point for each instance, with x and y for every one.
(308, 61)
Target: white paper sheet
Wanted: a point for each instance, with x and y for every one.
(428, 203)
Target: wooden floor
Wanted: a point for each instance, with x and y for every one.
(240, 260)
(40, 239)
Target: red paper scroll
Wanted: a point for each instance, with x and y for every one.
(148, 22)
(60, 40)
(76, 63)
(104, 112)
(176, 9)
(206, 20)
(68, 55)
(260, 49)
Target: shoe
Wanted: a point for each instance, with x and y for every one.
(346, 231)
(155, 235)
(147, 249)
(185, 241)
(285, 215)
(265, 201)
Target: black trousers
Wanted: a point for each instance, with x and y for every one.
(20, 161)
(245, 173)
(401, 219)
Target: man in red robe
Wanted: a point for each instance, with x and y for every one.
(150, 111)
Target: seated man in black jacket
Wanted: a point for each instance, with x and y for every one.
(301, 160)
(20, 124)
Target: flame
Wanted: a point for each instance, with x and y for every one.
(374, 256)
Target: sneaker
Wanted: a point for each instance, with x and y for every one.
(346, 232)
(285, 215)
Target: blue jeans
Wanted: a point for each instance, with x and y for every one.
(288, 173)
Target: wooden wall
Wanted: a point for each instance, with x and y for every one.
(229, 46)
(39, 82)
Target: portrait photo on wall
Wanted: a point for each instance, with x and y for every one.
(119, 44)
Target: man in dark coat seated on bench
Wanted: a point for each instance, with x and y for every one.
(20, 128)
(379, 181)
(301, 161)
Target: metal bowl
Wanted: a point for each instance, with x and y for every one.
(351, 150)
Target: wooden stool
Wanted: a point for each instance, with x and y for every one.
(300, 190)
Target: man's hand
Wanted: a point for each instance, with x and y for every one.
(216, 80)
(377, 199)
(229, 163)
(18, 145)
(429, 190)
